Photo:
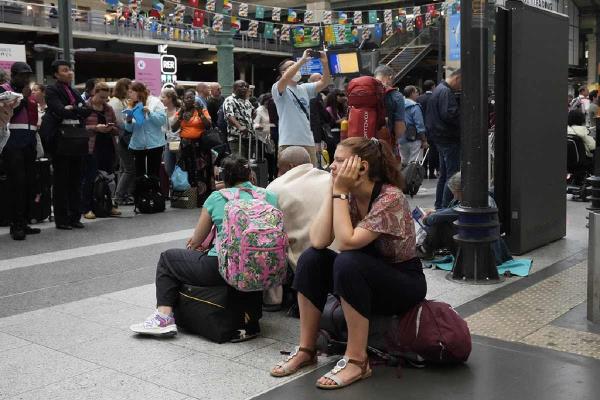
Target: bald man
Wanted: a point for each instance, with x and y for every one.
(202, 94)
(316, 77)
(301, 189)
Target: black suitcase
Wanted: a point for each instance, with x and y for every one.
(40, 205)
(414, 173)
(207, 311)
(257, 160)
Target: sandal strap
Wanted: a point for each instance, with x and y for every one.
(363, 365)
(298, 349)
(338, 381)
(311, 352)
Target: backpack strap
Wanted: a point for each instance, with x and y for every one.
(231, 196)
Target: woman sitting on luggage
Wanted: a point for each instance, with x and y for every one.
(192, 121)
(375, 273)
(198, 265)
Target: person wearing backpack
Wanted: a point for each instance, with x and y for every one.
(376, 272)
(199, 264)
(414, 138)
(292, 100)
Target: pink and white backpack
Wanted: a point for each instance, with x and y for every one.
(251, 246)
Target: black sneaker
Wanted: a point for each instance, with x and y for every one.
(17, 233)
(77, 225)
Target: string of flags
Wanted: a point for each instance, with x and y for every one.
(176, 20)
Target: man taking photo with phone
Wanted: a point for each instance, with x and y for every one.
(292, 100)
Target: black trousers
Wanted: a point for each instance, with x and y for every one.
(19, 167)
(147, 162)
(370, 285)
(181, 266)
(441, 236)
(67, 188)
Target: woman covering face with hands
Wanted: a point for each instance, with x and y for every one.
(376, 271)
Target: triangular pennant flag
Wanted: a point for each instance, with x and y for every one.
(198, 20)
(327, 17)
(428, 19)
(235, 24)
(243, 10)
(309, 17)
(210, 5)
(260, 12)
(328, 33)
(217, 24)
(253, 29)
(268, 30)
(357, 18)
(276, 14)
(373, 16)
(389, 29)
(342, 18)
(193, 3)
(227, 6)
(431, 8)
(285, 33)
(410, 23)
(292, 16)
(298, 35)
(387, 17)
(315, 34)
(378, 32)
(416, 11)
(419, 22)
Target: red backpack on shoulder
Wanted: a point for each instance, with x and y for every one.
(367, 114)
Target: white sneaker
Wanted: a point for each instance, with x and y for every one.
(156, 325)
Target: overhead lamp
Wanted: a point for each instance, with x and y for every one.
(208, 62)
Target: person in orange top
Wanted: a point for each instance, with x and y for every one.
(192, 121)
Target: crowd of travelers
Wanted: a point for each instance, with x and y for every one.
(336, 202)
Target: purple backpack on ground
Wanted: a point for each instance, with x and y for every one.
(251, 246)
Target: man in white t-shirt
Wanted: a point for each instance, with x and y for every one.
(292, 102)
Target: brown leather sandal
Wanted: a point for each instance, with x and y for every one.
(280, 370)
(366, 372)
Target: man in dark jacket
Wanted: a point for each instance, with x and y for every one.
(319, 121)
(18, 157)
(443, 127)
(432, 162)
(66, 112)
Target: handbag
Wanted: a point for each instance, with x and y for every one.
(179, 179)
(210, 139)
(72, 140)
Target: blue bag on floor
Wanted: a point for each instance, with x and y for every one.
(179, 179)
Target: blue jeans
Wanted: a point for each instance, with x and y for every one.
(449, 165)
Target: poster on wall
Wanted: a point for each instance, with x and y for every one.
(454, 37)
(147, 71)
(10, 54)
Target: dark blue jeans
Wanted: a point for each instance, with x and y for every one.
(449, 165)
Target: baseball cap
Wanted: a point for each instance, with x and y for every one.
(20, 68)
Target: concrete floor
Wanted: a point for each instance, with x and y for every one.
(67, 299)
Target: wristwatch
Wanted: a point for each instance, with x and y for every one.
(342, 196)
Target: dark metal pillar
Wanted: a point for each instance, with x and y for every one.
(477, 224)
(65, 30)
(225, 60)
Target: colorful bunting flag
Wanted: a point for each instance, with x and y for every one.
(253, 29)
(260, 12)
(410, 23)
(419, 22)
(235, 24)
(373, 16)
(401, 12)
(193, 3)
(428, 19)
(243, 10)
(268, 30)
(217, 24)
(328, 34)
(342, 18)
(210, 5)
(292, 16)
(378, 32)
(298, 35)
(227, 6)
(285, 33)
(389, 29)
(416, 11)
(309, 17)
(327, 17)
(357, 18)
(387, 17)
(198, 21)
(112, 3)
(315, 34)
(454, 8)
(276, 14)
(431, 9)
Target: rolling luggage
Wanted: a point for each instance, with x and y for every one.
(40, 205)
(258, 163)
(185, 199)
(414, 173)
